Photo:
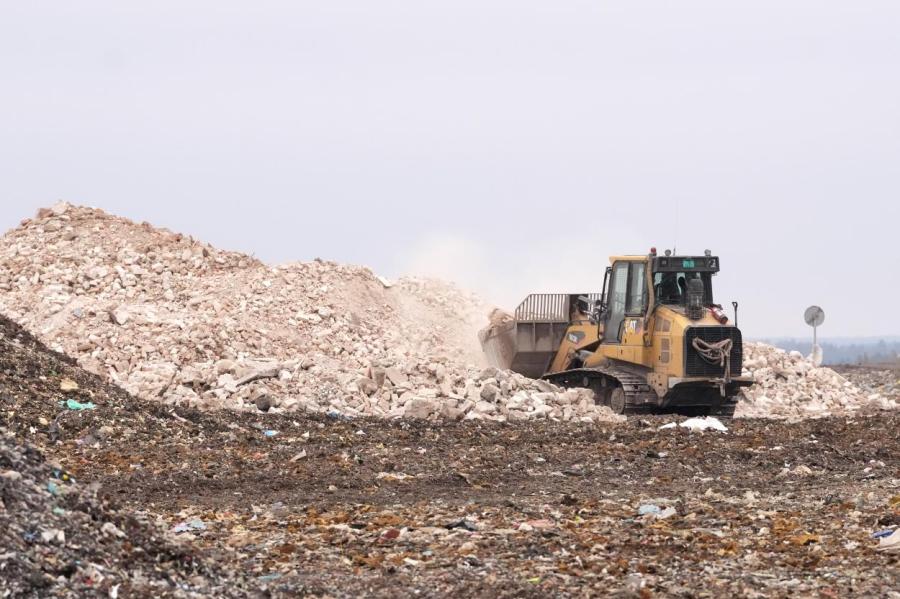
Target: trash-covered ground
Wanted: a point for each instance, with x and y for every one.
(326, 505)
(60, 538)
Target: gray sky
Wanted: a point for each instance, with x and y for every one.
(511, 146)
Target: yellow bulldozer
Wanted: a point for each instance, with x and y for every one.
(653, 339)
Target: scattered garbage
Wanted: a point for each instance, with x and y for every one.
(462, 524)
(76, 405)
(68, 385)
(667, 513)
(805, 538)
(890, 543)
(883, 533)
(75, 544)
(189, 525)
(698, 424)
(270, 433)
(658, 513)
(395, 476)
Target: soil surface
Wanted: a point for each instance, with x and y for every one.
(314, 505)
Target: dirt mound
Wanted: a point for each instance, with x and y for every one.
(170, 318)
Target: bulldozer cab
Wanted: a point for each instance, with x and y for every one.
(635, 285)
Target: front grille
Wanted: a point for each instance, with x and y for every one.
(695, 365)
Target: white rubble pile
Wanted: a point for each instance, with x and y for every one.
(788, 385)
(173, 319)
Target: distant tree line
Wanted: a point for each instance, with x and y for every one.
(863, 352)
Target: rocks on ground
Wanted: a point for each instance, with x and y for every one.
(788, 385)
(175, 320)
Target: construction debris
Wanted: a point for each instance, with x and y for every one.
(788, 385)
(172, 319)
(178, 321)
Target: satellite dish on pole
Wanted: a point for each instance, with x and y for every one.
(814, 317)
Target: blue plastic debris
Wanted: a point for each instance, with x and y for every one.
(648, 508)
(882, 533)
(270, 433)
(51, 486)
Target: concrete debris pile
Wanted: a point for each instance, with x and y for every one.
(788, 385)
(173, 319)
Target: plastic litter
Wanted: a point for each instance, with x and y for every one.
(270, 433)
(883, 533)
(699, 424)
(74, 404)
(890, 543)
(68, 385)
(649, 508)
(463, 524)
(667, 513)
(189, 525)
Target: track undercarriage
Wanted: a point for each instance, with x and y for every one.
(626, 391)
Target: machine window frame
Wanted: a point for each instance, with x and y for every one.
(645, 294)
(612, 336)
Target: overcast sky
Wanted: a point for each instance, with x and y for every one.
(511, 146)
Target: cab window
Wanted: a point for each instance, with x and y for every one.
(637, 290)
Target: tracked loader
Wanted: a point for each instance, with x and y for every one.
(653, 338)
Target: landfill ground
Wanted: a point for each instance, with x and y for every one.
(347, 508)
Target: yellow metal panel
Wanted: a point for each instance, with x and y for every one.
(580, 335)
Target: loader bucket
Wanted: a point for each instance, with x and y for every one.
(498, 340)
(527, 342)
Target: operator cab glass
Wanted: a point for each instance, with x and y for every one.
(672, 276)
(670, 288)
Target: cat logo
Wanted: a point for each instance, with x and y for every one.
(575, 337)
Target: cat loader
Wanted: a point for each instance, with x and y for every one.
(652, 340)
